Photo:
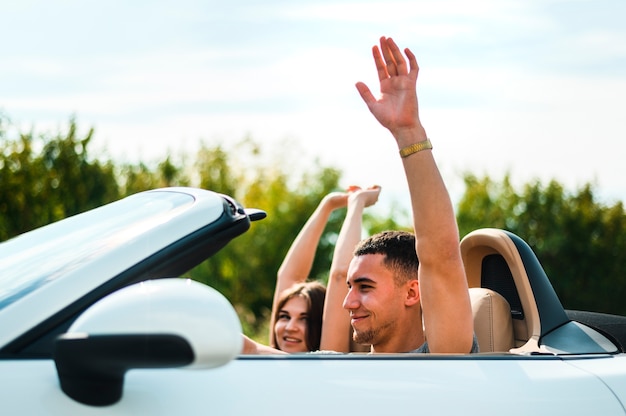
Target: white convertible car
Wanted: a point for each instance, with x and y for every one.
(95, 320)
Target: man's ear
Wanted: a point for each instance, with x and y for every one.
(412, 293)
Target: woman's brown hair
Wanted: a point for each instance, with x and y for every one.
(314, 293)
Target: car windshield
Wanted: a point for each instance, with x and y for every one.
(33, 259)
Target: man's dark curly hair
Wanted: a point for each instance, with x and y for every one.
(398, 247)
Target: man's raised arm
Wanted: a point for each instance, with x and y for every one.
(443, 286)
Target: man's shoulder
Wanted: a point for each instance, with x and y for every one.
(422, 349)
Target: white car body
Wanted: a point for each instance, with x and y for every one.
(68, 344)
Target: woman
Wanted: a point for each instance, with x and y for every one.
(298, 320)
(304, 317)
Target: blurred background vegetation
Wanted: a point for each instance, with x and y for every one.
(580, 241)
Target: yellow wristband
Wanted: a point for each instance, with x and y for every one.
(415, 147)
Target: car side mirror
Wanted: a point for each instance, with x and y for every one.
(160, 323)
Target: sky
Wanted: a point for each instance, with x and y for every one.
(532, 88)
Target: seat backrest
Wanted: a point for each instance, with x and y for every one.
(492, 261)
(500, 260)
(493, 324)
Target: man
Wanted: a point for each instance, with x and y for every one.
(386, 302)
(397, 304)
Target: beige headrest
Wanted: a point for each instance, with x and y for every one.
(493, 324)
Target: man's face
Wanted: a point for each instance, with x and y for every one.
(373, 300)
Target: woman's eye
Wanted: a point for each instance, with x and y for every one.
(283, 317)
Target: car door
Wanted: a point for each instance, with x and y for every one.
(314, 385)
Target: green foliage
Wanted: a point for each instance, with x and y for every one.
(140, 177)
(396, 218)
(245, 270)
(580, 242)
(46, 179)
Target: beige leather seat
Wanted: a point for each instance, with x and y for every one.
(493, 260)
(493, 324)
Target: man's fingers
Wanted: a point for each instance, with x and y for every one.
(366, 94)
(381, 68)
(396, 56)
(390, 61)
(412, 61)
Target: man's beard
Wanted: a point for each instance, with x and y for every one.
(371, 336)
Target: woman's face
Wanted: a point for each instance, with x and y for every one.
(291, 326)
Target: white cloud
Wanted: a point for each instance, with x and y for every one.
(505, 85)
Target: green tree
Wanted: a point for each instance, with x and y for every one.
(139, 177)
(48, 177)
(245, 270)
(44, 179)
(580, 241)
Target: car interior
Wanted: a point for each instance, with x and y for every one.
(515, 307)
